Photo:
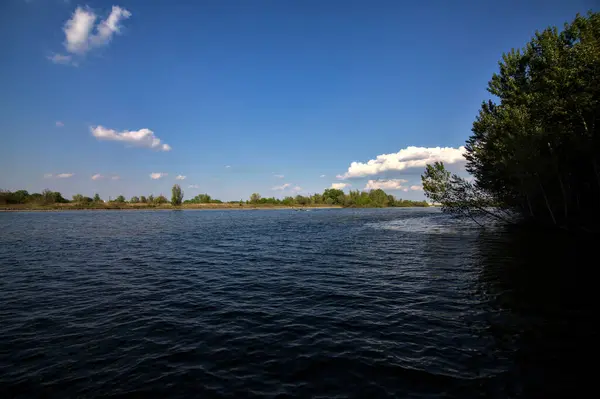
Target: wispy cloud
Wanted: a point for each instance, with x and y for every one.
(410, 157)
(81, 37)
(180, 177)
(281, 188)
(227, 166)
(322, 176)
(416, 188)
(59, 124)
(141, 138)
(97, 176)
(193, 186)
(279, 176)
(58, 176)
(296, 188)
(115, 177)
(159, 175)
(389, 184)
(340, 186)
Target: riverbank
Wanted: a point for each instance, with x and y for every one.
(132, 207)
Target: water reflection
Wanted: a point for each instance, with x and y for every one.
(540, 298)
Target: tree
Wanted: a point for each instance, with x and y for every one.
(120, 199)
(536, 153)
(151, 199)
(176, 195)
(134, 200)
(333, 196)
(161, 199)
(97, 198)
(255, 198)
(143, 199)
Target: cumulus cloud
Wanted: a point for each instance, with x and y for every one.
(410, 157)
(389, 184)
(64, 175)
(97, 176)
(416, 188)
(59, 124)
(180, 177)
(279, 176)
(296, 188)
(141, 138)
(80, 36)
(282, 187)
(159, 175)
(340, 186)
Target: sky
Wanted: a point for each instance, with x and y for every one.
(128, 97)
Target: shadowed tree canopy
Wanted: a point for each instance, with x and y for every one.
(536, 152)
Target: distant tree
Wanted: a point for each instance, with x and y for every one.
(255, 198)
(176, 195)
(21, 196)
(161, 199)
(143, 199)
(151, 199)
(134, 200)
(333, 196)
(120, 199)
(78, 198)
(97, 198)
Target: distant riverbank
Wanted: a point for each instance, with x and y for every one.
(133, 207)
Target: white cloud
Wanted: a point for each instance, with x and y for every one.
(59, 124)
(279, 176)
(180, 177)
(97, 176)
(410, 157)
(193, 186)
(155, 176)
(340, 186)
(64, 175)
(416, 188)
(282, 187)
(47, 175)
(405, 189)
(79, 38)
(297, 188)
(141, 138)
(322, 176)
(62, 59)
(115, 177)
(390, 184)
(227, 166)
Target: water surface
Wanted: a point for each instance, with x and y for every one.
(276, 303)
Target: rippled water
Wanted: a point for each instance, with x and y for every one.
(330, 303)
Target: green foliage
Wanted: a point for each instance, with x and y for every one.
(255, 198)
(143, 199)
(536, 152)
(176, 195)
(120, 199)
(97, 198)
(161, 199)
(134, 200)
(200, 199)
(151, 199)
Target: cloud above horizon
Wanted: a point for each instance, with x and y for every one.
(385, 184)
(410, 157)
(59, 175)
(158, 175)
(340, 186)
(97, 176)
(140, 138)
(59, 124)
(416, 188)
(282, 187)
(81, 37)
(279, 176)
(193, 186)
(180, 177)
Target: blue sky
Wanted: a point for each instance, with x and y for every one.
(245, 92)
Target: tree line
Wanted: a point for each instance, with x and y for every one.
(535, 154)
(355, 198)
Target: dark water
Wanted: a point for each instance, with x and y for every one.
(325, 303)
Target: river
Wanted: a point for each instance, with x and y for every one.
(275, 303)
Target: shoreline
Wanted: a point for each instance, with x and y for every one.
(199, 207)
